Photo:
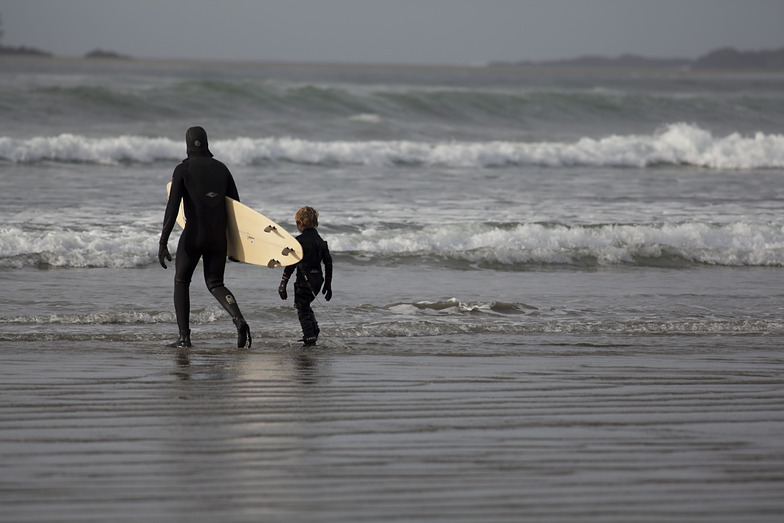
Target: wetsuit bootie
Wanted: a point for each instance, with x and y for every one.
(243, 333)
(184, 341)
(309, 341)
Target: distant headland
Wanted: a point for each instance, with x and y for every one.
(726, 58)
(100, 53)
(32, 51)
(729, 58)
(23, 51)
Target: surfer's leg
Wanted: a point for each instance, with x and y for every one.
(185, 264)
(214, 265)
(303, 297)
(227, 300)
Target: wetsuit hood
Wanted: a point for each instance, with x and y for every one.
(196, 140)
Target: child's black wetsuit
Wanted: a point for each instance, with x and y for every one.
(202, 183)
(309, 279)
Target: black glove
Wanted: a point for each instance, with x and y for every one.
(282, 287)
(327, 290)
(163, 253)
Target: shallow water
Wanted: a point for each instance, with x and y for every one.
(562, 404)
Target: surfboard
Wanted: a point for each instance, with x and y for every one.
(254, 238)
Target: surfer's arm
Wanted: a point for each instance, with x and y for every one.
(172, 206)
(232, 190)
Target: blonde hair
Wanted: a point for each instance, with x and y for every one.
(308, 217)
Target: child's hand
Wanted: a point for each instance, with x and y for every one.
(327, 291)
(282, 288)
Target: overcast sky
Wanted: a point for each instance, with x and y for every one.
(392, 31)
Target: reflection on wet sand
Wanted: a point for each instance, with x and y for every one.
(216, 435)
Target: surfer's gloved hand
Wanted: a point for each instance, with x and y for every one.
(282, 287)
(327, 291)
(163, 254)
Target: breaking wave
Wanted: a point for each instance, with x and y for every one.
(470, 245)
(675, 144)
(519, 245)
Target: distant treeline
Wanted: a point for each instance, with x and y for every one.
(725, 58)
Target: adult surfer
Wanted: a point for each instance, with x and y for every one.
(202, 183)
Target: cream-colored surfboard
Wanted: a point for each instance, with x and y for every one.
(254, 238)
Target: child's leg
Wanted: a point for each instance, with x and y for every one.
(307, 319)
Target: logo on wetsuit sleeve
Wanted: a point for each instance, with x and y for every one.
(211, 194)
(230, 299)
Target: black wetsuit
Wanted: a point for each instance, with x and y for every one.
(309, 279)
(202, 183)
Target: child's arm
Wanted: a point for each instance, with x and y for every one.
(326, 257)
(283, 282)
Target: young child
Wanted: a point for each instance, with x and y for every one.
(309, 276)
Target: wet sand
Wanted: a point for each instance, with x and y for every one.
(90, 432)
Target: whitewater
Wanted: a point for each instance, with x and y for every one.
(557, 295)
(675, 144)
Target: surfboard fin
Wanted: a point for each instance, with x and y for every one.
(270, 228)
(273, 263)
(287, 251)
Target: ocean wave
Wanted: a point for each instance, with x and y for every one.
(674, 144)
(469, 245)
(453, 306)
(80, 149)
(199, 316)
(520, 245)
(349, 335)
(445, 308)
(424, 328)
(400, 320)
(270, 99)
(63, 247)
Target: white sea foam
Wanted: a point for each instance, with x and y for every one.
(367, 118)
(731, 244)
(62, 247)
(209, 314)
(676, 144)
(75, 148)
(734, 244)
